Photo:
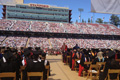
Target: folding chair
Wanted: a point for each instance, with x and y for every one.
(47, 67)
(8, 74)
(91, 71)
(76, 65)
(21, 69)
(84, 72)
(118, 60)
(100, 64)
(112, 71)
(35, 74)
(68, 57)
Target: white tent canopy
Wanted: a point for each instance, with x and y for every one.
(105, 6)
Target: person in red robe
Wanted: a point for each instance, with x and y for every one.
(73, 58)
(64, 52)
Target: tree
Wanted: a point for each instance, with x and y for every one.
(76, 21)
(83, 21)
(99, 20)
(105, 22)
(88, 20)
(114, 19)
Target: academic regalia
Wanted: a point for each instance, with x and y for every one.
(64, 52)
(73, 60)
(34, 66)
(82, 65)
(98, 60)
(110, 64)
(8, 64)
(70, 60)
(0, 55)
(46, 63)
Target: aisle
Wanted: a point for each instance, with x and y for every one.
(59, 71)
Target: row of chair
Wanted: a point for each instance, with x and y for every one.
(29, 74)
(97, 70)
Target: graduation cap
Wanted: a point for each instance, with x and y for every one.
(110, 54)
(26, 52)
(3, 47)
(76, 47)
(35, 54)
(37, 48)
(30, 48)
(7, 54)
(43, 54)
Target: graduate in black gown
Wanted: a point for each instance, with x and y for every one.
(46, 63)
(8, 64)
(110, 64)
(35, 65)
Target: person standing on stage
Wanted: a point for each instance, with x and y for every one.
(64, 52)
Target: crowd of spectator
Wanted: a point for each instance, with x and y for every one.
(5, 24)
(15, 42)
(20, 26)
(79, 28)
(39, 27)
(38, 42)
(56, 43)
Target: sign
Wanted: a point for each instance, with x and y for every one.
(39, 5)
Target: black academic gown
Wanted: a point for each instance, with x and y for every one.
(83, 60)
(34, 66)
(46, 62)
(109, 65)
(9, 66)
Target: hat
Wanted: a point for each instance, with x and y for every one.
(35, 54)
(26, 52)
(43, 54)
(7, 54)
(37, 48)
(30, 48)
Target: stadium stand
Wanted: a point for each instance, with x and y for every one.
(80, 28)
(56, 43)
(15, 42)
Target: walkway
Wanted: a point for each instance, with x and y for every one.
(59, 71)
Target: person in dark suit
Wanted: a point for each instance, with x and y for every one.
(34, 65)
(110, 64)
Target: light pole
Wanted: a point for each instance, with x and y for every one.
(80, 9)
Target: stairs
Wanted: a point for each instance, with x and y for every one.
(3, 41)
(50, 44)
(27, 42)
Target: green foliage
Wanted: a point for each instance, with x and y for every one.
(88, 20)
(114, 19)
(99, 20)
(83, 21)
